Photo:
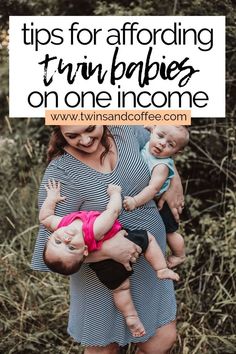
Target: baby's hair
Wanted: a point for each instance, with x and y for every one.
(186, 138)
(61, 267)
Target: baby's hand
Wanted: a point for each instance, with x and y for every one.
(53, 189)
(113, 188)
(129, 203)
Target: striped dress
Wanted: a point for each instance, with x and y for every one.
(93, 318)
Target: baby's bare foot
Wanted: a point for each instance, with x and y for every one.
(135, 326)
(174, 261)
(167, 273)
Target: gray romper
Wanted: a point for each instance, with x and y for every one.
(93, 318)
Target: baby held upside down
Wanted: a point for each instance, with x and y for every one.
(78, 233)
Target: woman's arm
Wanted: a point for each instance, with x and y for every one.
(174, 196)
(142, 135)
(118, 248)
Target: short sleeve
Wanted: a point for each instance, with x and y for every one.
(167, 162)
(71, 204)
(141, 134)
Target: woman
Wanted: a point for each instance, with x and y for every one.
(85, 160)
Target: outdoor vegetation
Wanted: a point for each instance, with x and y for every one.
(34, 305)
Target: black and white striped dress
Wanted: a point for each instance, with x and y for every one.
(93, 318)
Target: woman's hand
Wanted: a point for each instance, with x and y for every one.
(118, 248)
(174, 197)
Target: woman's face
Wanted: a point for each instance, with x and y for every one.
(85, 138)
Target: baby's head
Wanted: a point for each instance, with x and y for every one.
(65, 251)
(167, 140)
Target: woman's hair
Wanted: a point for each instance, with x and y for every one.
(61, 267)
(57, 143)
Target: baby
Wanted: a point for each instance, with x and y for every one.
(165, 142)
(76, 234)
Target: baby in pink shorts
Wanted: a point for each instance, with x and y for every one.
(77, 234)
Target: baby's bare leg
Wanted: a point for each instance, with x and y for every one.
(124, 303)
(176, 244)
(157, 260)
